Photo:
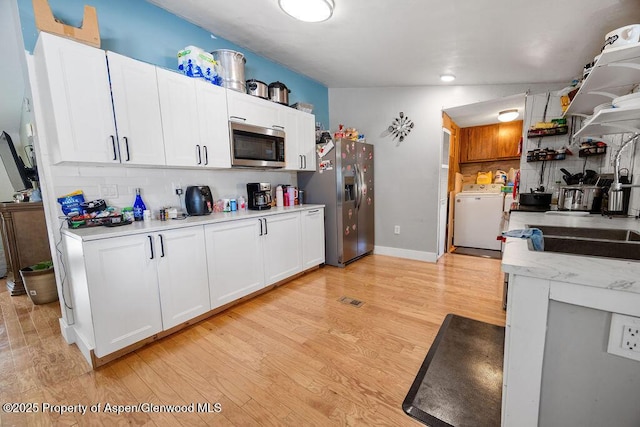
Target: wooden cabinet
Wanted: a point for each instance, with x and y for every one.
(134, 88)
(25, 240)
(74, 83)
(490, 142)
(234, 260)
(299, 128)
(312, 238)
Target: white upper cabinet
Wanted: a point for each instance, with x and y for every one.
(194, 121)
(213, 125)
(136, 104)
(74, 85)
(253, 110)
(179, 110)
(300, 131)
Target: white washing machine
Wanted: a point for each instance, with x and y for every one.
(477, 220)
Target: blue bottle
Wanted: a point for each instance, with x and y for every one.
(138, 206)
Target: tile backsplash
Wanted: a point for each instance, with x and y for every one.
(158, 184)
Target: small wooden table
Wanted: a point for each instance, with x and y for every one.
(25, 239)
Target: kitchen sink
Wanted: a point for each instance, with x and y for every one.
(588, 233)
(598, 242)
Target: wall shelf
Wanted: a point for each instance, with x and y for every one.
(611, 121)
(537, 133)
(614, 74)
(592, 151)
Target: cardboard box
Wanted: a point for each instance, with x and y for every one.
(88, 33)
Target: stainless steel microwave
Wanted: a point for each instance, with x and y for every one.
(255, 146)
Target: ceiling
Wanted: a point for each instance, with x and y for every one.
(371, 43)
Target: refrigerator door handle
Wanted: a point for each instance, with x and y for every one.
(358, 185)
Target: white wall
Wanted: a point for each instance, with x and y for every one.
(406, 181)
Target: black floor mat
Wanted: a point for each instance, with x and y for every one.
(460, 381)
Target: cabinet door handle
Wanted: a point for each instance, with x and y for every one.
(206, 154)
(126, 146)
(198, 155)
(277, 127)
(313, 211)
(300, 161)
(237, 117)
(161, 246)
(305, 161)
(266, 230)
(260, 221)
(151, 246)
(113, 144)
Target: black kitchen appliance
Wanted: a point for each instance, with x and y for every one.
(537, 198)
(259, 195)
(198, 200)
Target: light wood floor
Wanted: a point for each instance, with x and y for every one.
(293, 356)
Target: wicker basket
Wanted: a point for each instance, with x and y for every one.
(40, 285)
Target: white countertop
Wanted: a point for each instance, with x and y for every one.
(598, 272)
(102, 232)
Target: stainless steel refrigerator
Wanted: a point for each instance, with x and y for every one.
(343, 182)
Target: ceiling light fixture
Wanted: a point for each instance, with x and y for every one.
(447, 77)
(508, 115)
(308, 10)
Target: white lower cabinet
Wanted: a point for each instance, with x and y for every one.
(122, 281)
(282, 246)
(312, 237)
(244, 256)
(234, 260)
(126, 289)
(182, 275)
(142, 284)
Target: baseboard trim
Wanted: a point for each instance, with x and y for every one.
(67, 331)
(405, 253)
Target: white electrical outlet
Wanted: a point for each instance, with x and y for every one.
(396, 229)
(624, 336)
(631, 337)
(109, 190)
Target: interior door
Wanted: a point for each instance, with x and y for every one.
(442, 192)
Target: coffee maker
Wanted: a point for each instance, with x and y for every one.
(259, 195)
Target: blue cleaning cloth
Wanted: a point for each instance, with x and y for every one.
(535, 234)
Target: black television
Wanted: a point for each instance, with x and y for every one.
(19, 174)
